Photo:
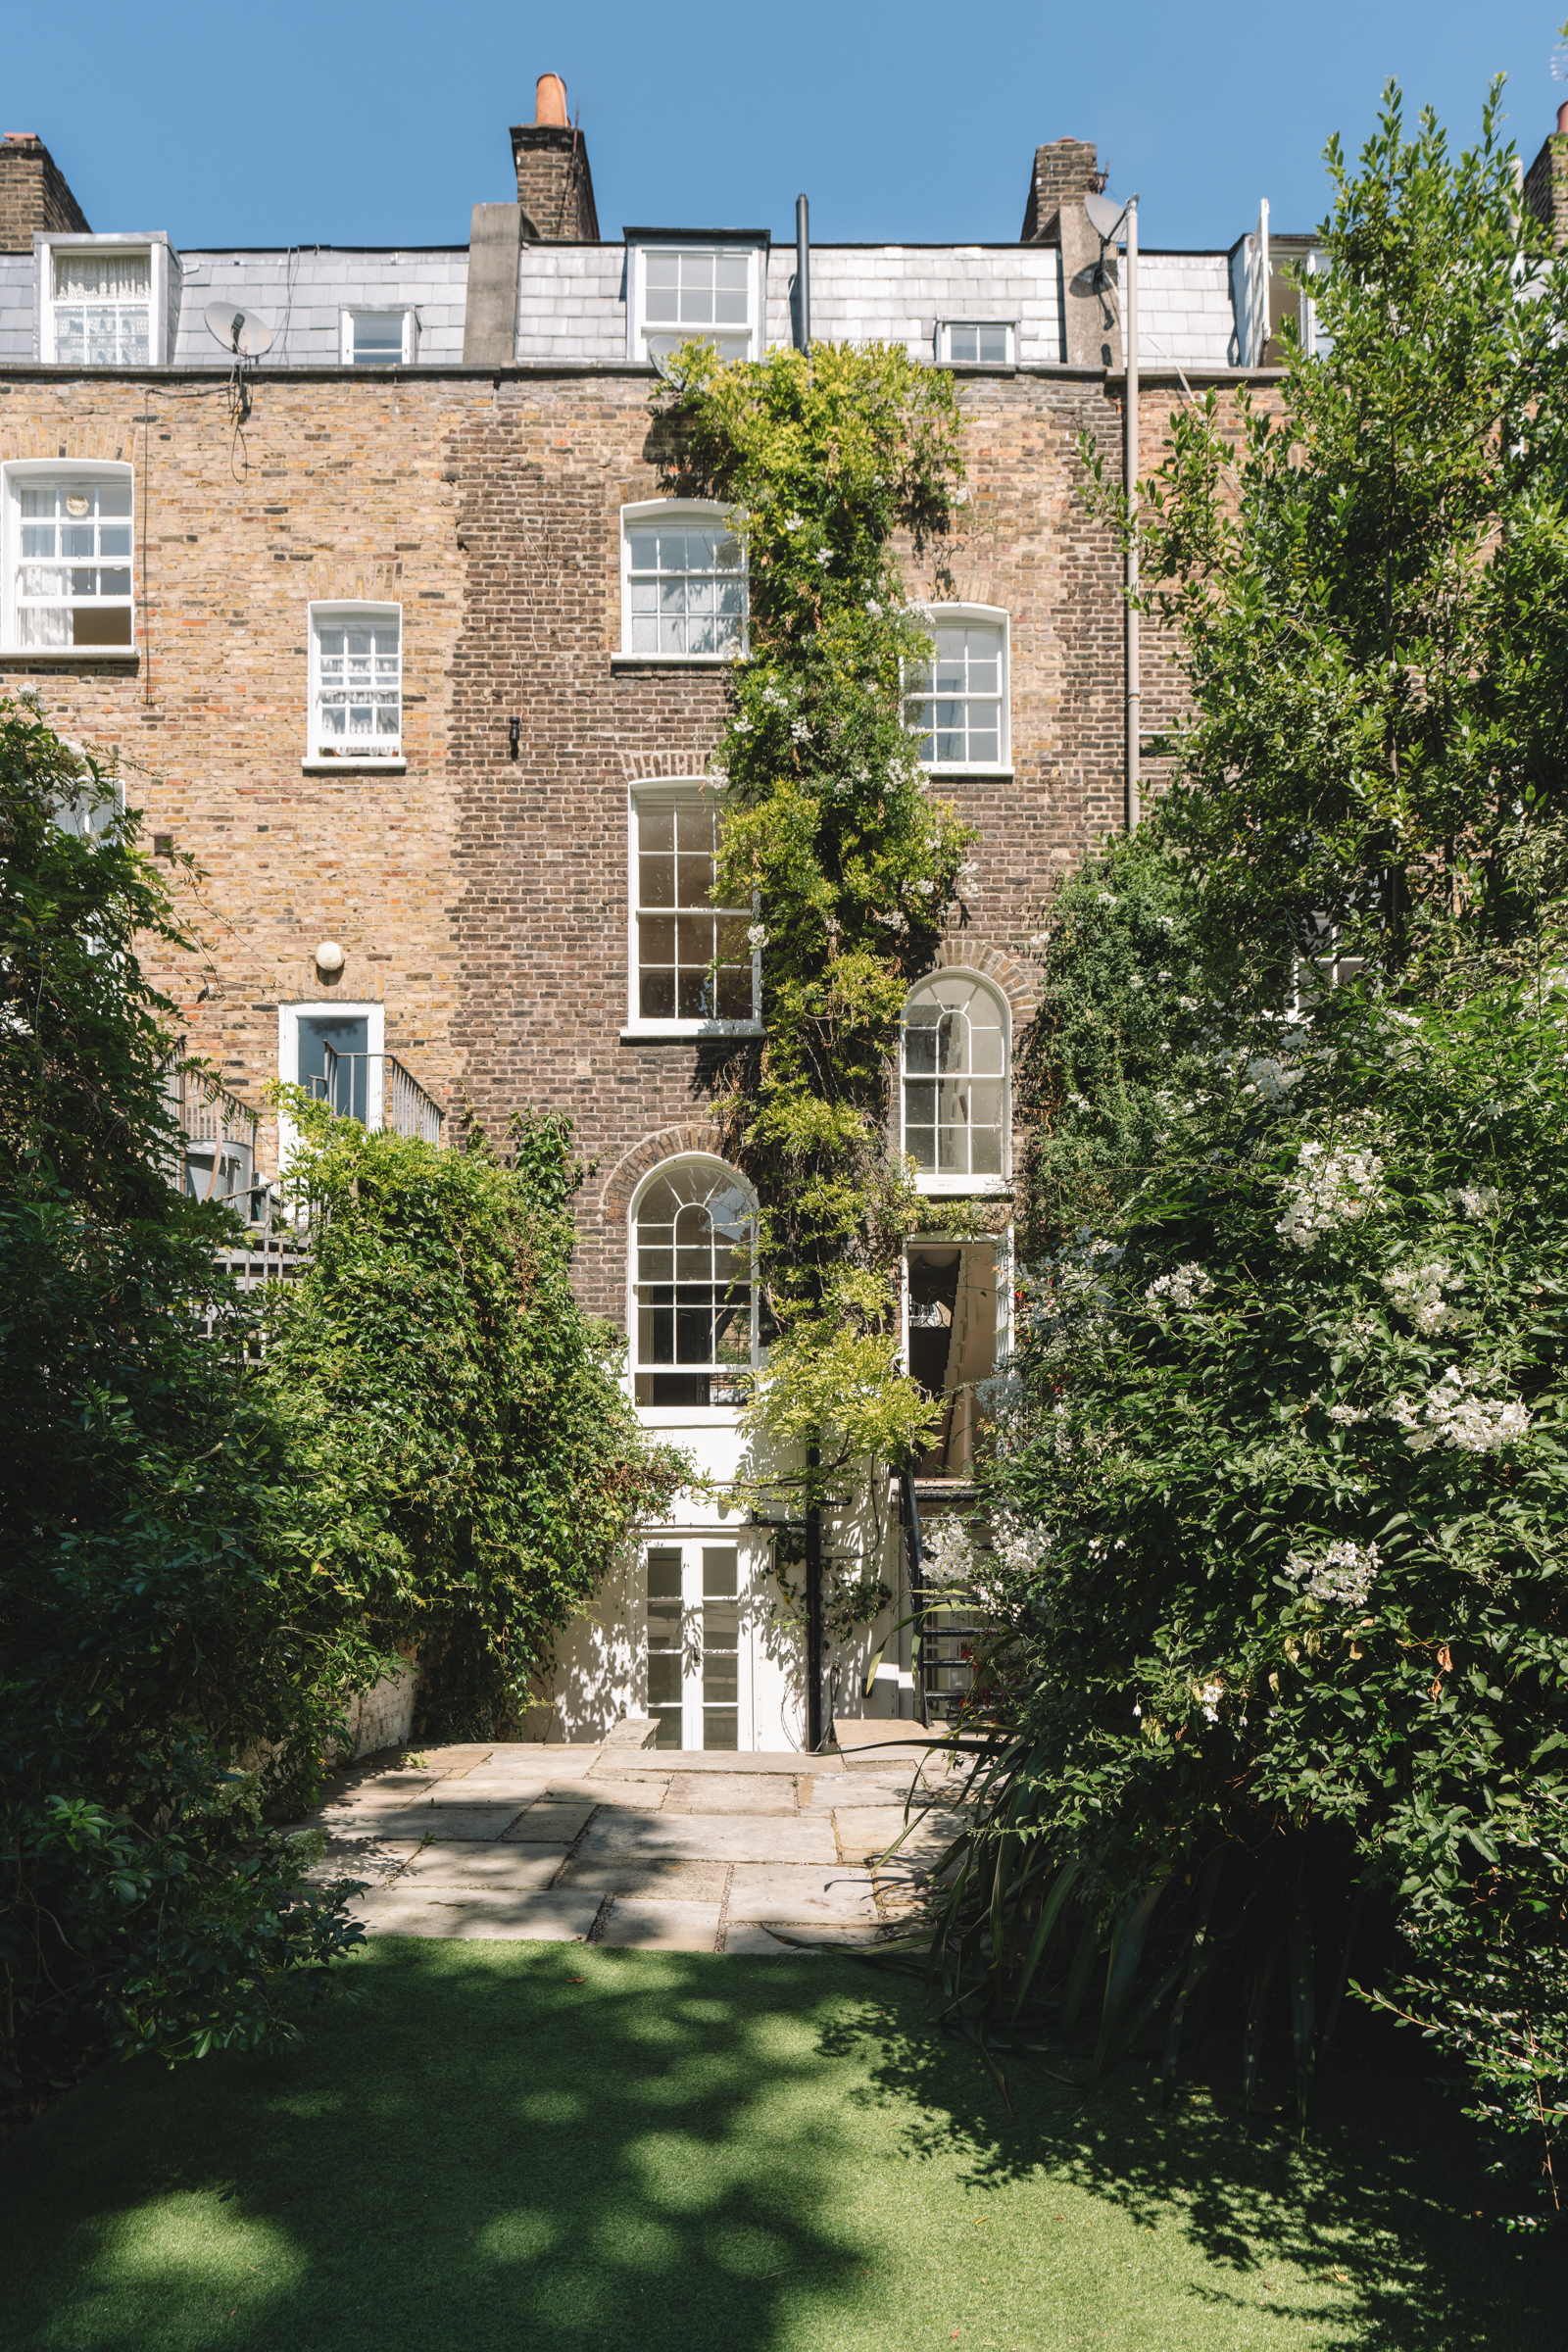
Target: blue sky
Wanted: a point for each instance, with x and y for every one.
(381, 125)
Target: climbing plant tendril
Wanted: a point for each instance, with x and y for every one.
(828, 462)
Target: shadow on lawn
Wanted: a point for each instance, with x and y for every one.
(497, 2146)
(1387, 2202)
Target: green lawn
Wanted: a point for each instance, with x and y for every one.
(512, 2147)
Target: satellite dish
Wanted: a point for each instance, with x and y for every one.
(239, 331)
(1104, 218)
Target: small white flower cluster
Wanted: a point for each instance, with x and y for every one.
(743, 726)
(794, 522)
(1478, 1200)
(1208, 1696)
(1105, 897)
(1272, 1078)
(775, 697)
(823, 556)
(1182, 1288)
(1417, 1292)
(898, 920)
(1021, 1551)
(757, 937)
(969, 875)
(1343, 1578)
(873, 607)
(800, 732)
(1347, 1415)
(1451, 1414)
(1332, 1188)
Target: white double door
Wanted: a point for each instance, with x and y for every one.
(699, 1679)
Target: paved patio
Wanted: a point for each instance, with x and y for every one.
(657, 1848)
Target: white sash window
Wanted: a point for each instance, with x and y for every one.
(102, 306)
(67, 556)
(356, 682)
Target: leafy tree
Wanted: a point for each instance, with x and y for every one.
(1368, 587)
(464, 1466)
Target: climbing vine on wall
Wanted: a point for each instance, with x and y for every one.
(833, 835)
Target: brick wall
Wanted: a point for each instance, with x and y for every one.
(484, 900)
(32, 193)
(555, 186)
(1545, 189)
(1062, 169)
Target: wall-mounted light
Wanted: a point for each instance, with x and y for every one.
(329, 959)
(514, 730)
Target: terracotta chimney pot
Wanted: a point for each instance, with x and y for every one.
(1563, 120)
(550, 101)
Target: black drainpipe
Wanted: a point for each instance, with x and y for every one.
(813, 1606)
(803, 274)
(915, 1544)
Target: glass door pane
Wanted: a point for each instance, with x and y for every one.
(697, 1690)
(721, 1642)
(666, 1644)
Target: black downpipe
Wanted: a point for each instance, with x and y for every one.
(813, 1605)
(914, 1548)
(803, 274)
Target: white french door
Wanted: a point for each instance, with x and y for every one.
(699, 1683)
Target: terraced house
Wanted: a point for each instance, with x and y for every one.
(363, 566)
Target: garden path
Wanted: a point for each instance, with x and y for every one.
(657, 1848)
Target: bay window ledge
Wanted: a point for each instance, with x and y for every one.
(354, 767)
(674, 661)
(961, 1188)
(57, 657)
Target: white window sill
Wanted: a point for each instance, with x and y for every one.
(643, 1032)
(959, 1187)
(954, 768)
(354, 767)
(689, 1416)
(675, 660)
(128, 655)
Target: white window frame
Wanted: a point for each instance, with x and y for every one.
(675, 1416)
(317, 761)
(691, 1543)
(350, 1009)
(14, 474)
(988, 616)
(678, 511)
(931, 1182)
(667, 796)
(47, 243)
(944, 342)
(637, 252)
(372, 310)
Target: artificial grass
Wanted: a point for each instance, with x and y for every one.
(514, 2148)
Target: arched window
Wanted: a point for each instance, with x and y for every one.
(956, 1082)
(695, 1323)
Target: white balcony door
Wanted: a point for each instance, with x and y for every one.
(699, 1678)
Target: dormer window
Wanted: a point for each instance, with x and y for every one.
(101, 307)
(977, 342)
(680, 291)
(379, 338)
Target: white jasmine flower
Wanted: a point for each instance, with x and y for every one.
(1105, 897)
(873, 607)
(1347, 1415)
(1209, 1696)
(1332, 1188)
(757, 937)
(800, 732)
(1182, 1288)
(824, 557)
(743, 726)
(1272, 1078)
(1450, 1415)
(1478, 1200)
(1343, 1578)
(793, 523)
(1417, 1292)
(925, 887)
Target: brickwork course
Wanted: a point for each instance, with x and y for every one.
(33, 194)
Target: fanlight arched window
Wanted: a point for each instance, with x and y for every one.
(696, 1319)
(955, 1080)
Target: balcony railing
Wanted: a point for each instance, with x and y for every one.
(378, 1091)
(214, 1157)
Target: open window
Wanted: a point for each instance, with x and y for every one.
(952, 1317)
(693, 1305)
(69, 534)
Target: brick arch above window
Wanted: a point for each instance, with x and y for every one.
(703, 1138)
(1016, 981)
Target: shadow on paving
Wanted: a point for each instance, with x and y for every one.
(545, 2147)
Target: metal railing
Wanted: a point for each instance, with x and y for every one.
(386, 1096)
(214, 1157)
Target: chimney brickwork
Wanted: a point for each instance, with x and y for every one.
(555, 186)
(33, 194)
(1065, 169)
(1545, 185)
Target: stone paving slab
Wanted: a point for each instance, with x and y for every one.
(924, 1836)
(369, 1859)
(549, 1824)
(794, 1890)
(649, 1878)
(661, 1926)
(642, 1796)
(715, 1837)
(452, 1821)
(415, 1910)
(520, 1868)
(750, 1937)
(830, 1795)
(719, 1793)
(719, 1760)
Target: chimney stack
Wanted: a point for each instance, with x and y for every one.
(1545, 184)
(34, 193)
(1066, 171)
(555, 186)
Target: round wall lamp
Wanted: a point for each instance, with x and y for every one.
(329, 959)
